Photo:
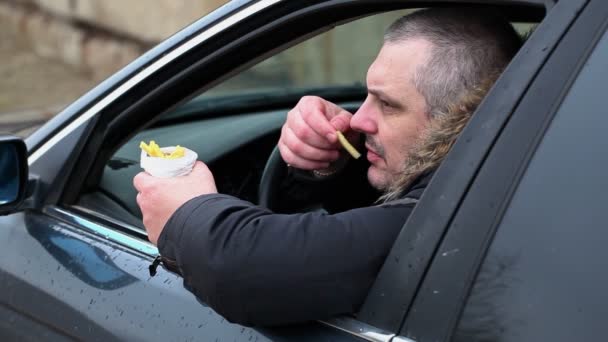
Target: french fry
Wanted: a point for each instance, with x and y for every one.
(347, 146)
(153, 150)
(146, 148)
(177, 153)
(156, 152)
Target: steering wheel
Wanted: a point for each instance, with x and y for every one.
(274, 173)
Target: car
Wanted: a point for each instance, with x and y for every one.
(506, 243)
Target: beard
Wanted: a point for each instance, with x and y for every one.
(388, 179)
(384, 179)
(376, 177)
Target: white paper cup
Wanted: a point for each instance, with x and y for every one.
(167, 168)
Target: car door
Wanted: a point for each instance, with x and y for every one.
(520, 258)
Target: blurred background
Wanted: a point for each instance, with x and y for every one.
(53, 51)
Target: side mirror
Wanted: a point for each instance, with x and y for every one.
(13, 173)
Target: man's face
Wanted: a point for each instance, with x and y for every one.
(394, 114)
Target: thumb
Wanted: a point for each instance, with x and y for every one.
(341, 122)
(141, 180)
(199, 168)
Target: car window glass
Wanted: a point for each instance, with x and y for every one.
(543, 278)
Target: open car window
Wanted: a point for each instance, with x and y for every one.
(234, 126)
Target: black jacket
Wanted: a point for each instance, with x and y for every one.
(255, 267)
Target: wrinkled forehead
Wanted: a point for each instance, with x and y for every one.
(397, 62)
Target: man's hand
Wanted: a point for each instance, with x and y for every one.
(159, 198)
(308, 137)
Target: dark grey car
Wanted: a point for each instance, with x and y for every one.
(506, 244)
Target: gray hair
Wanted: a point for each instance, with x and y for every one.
(467, 46)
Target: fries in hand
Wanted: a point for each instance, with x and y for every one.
(347, 146)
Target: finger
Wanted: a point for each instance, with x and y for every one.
(319, 122)
(337, 117)
(139, 200)
(301, 149)
(341, 122)
(203, 175)
(200, 168)
(298, 162)
(140, 180)
(152, 237)
(302, 130)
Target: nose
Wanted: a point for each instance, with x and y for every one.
(364, 119)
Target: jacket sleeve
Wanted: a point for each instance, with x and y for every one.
(259, 268)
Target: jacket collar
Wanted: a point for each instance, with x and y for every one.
(435, 143)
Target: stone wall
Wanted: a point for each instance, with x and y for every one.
(100, 36)
(97, 36)
(146, 20)
(53, 51)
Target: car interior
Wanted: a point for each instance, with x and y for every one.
(234, 126)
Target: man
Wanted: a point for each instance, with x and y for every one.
(260, 268)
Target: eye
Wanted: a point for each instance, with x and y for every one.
(384, 103)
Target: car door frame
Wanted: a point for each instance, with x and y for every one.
(453, 271)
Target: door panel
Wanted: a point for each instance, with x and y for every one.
(392, 294)
(82, 286)
(456, 262)
(542, 278)
(15, 326)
